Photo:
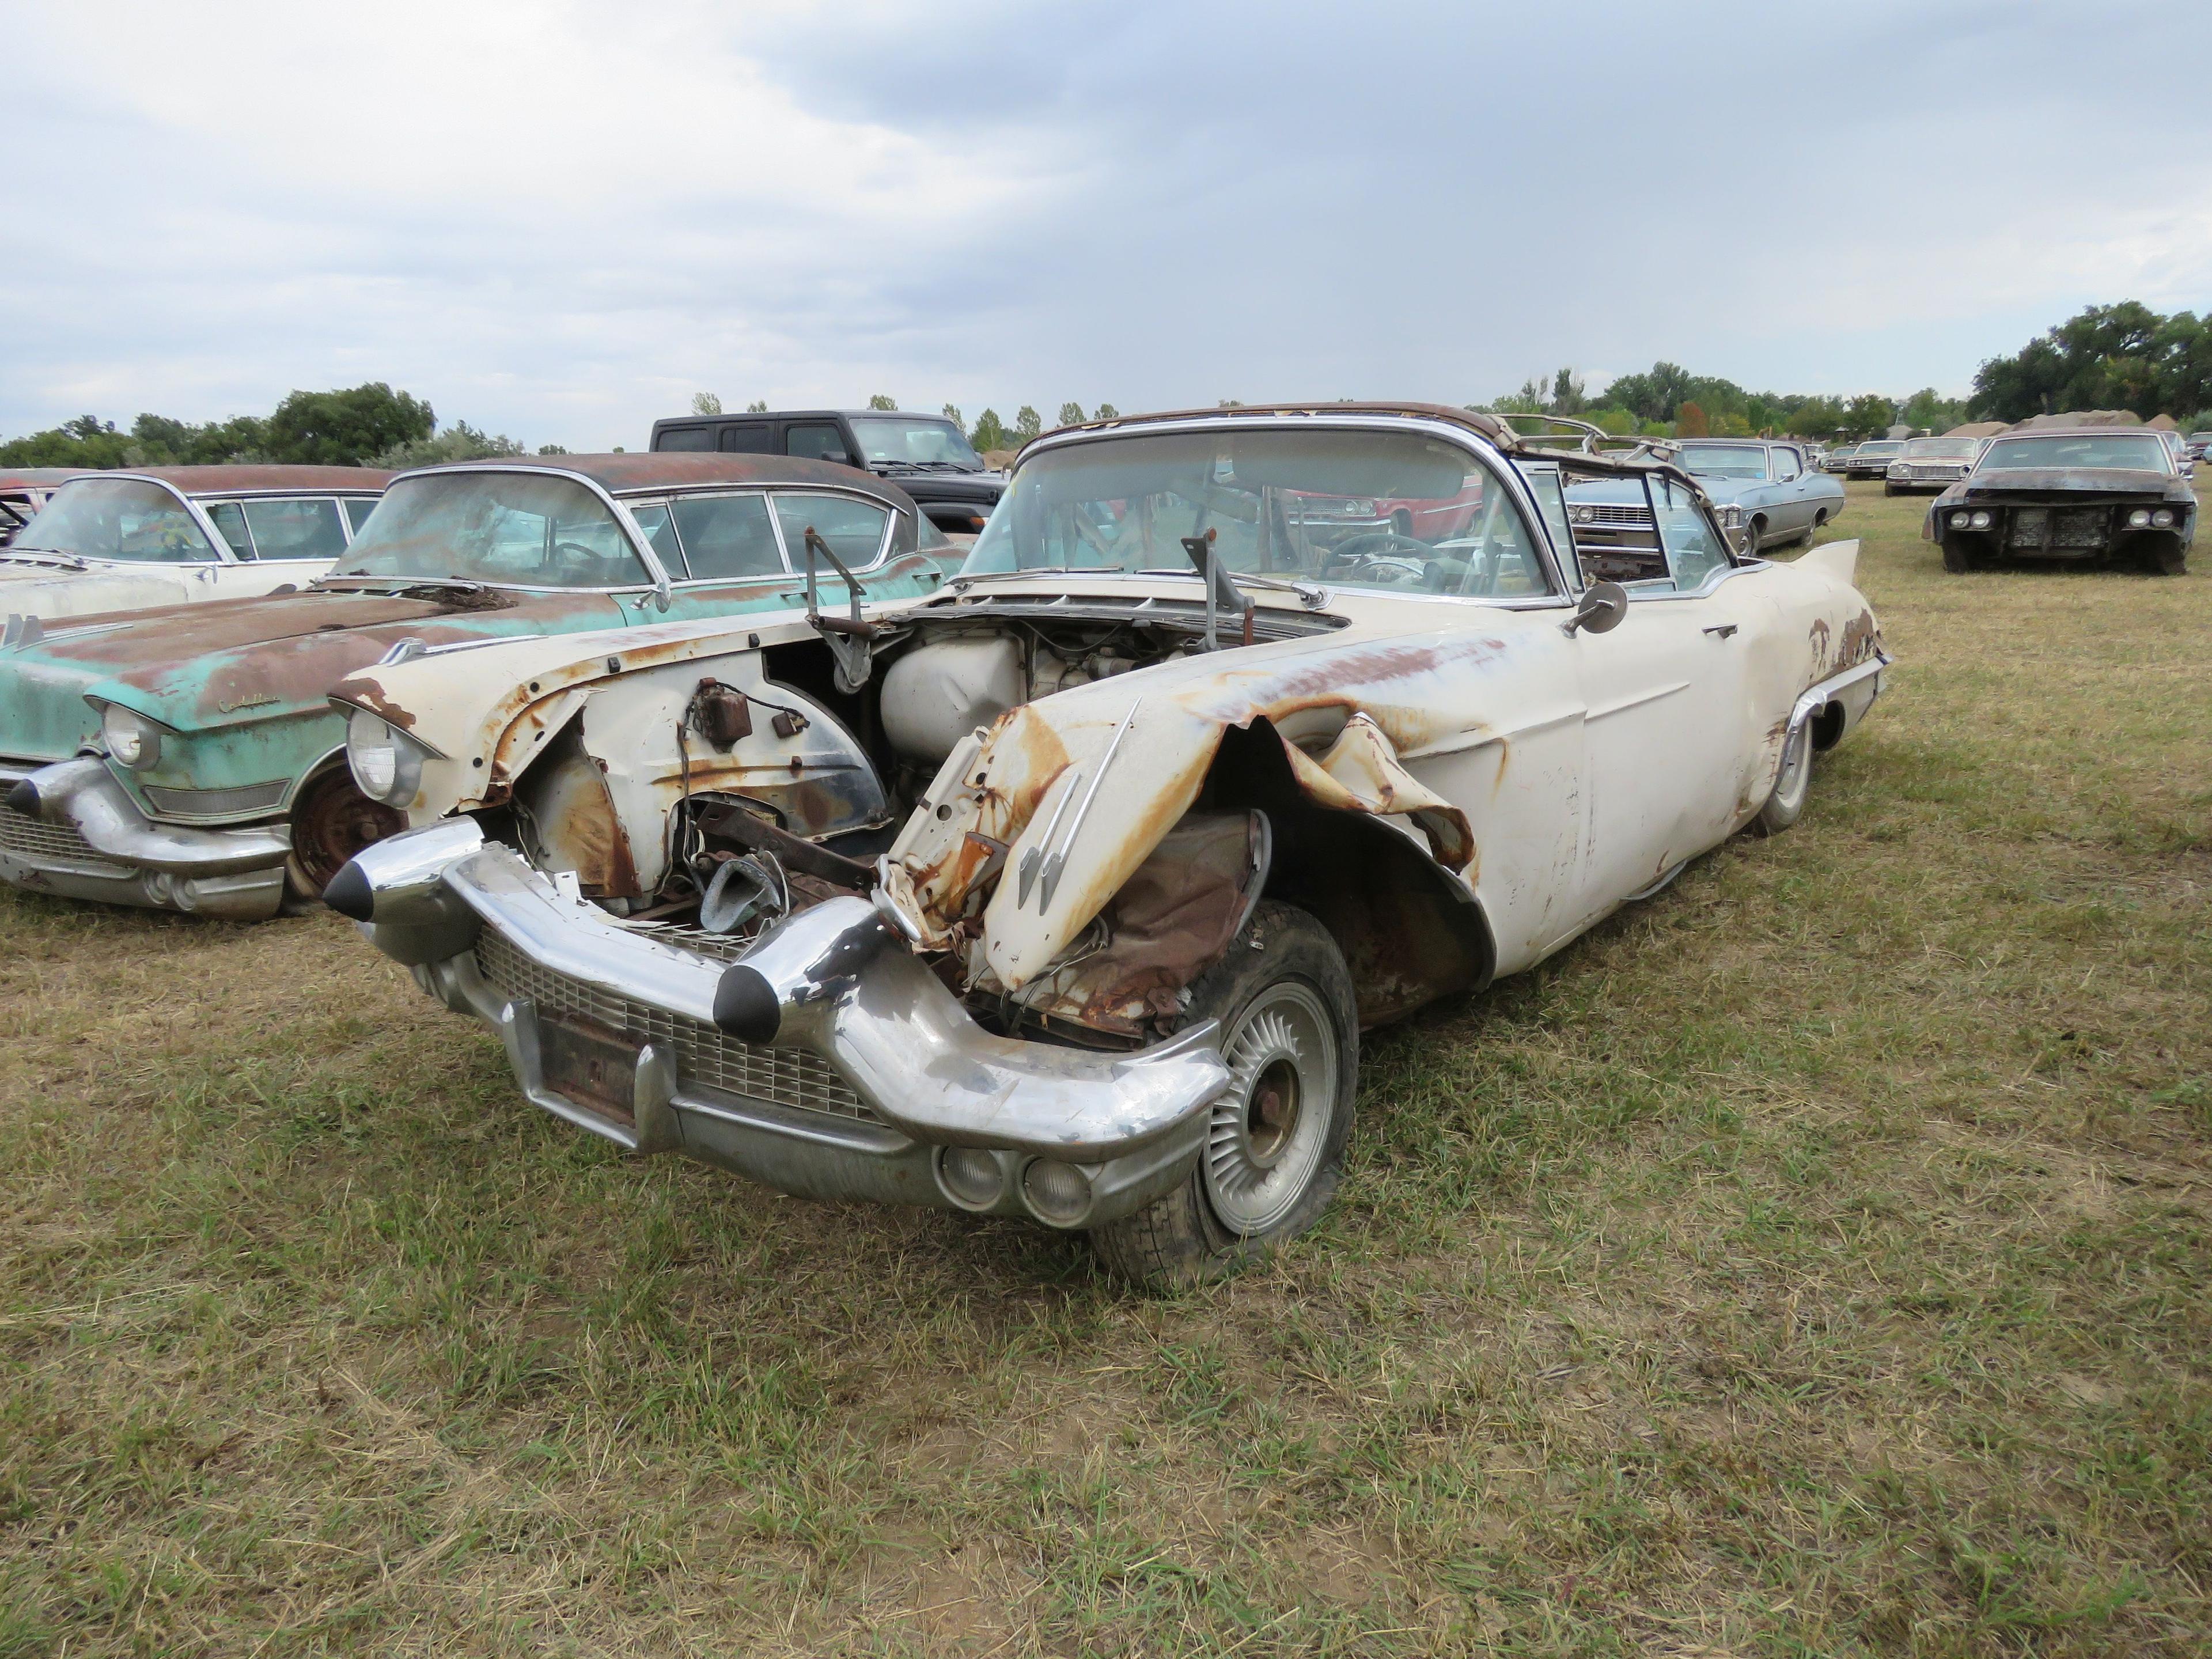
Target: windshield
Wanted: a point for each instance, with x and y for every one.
(913, 440)
(1723, 460)
(1940, 449)
(1351, 508)
(518, 529)
(117, 519)
(1882, 447)
(2141, 450)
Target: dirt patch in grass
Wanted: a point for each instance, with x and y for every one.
(1813, 1260)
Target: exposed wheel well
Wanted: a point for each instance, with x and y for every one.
(1410, 931)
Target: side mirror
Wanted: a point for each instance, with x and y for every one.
(1603, 606)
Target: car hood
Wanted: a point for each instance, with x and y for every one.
(232, 662)
(51, 591)
(2014, 482)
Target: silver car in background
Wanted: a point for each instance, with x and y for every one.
(1933, 464)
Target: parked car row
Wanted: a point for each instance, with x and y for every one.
(1060, 889)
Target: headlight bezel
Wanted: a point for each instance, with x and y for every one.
(131, 739)
(392, 781)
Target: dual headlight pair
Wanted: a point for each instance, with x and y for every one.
(1970, 522)
(2145, 518)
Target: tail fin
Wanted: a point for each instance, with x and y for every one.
(1840, 559)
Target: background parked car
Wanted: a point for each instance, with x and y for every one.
(179, 535)
(190, 760)
(2199, 443)
(1931, 464)
(928, 454)
(1839, 460)
(1871, 459)
(1763, 492)
(2185, 455)
(2102, 495)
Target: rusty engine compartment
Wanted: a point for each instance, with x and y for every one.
(742, 855)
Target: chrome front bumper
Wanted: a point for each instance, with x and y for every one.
(857, 1071)
(73, 830)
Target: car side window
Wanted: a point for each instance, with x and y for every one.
(821, 442)
(304, 529)
(853, 529)
(1695, 549)
(727, 537)
(749, 438)
(1551, 493)
(357, 509)
(1786, 465)
(229, 521)
(661, 533)
(684, 440)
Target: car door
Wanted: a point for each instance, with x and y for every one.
(1662, 714)
(1793, 507)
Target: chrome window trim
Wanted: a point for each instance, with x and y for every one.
(1493, 460)
(797, 567)
(337, 501)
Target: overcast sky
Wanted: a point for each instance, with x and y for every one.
(559, 221)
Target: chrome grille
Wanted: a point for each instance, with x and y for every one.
(215, 803)
(1607, 512)
(37, 842)
(796, 1078)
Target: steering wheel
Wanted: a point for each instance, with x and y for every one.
(587, 555)
(1405, 557)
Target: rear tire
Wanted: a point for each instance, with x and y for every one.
(1793, 785)
(1275, 1139)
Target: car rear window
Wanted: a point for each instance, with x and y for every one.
(727, 536)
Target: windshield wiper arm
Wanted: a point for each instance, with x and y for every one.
(354, 576)
(1311, 597)
(1039, 570)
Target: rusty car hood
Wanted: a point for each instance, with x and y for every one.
(231, 661)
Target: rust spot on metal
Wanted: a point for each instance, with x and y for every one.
(331, 821)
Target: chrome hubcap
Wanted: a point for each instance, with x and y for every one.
(1266, 1133)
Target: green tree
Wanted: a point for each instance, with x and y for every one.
(87, 441)
(951, 412)
(1107, 412)
(883, 400)
(346, 427)
(2117, 357)
(1071, 415)
(706, 403)
(1027, 423)
(1869, 416)
(758, 406)
(1929, 408)
(458, 442)
(990, 433)
(158, 440)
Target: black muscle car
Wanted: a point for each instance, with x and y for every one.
(2093, 495)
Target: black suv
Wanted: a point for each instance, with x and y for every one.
(928, 454)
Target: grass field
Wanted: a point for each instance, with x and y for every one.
(1815, 1260)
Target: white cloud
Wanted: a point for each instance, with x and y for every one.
(559, 221)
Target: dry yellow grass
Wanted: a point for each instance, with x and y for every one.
(1813, 1260)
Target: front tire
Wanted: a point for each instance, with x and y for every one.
(1956, 558)
(1275, 1138)
(1793, 785)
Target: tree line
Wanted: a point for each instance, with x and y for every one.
(368, 425)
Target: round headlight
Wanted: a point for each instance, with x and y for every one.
(971, 1176)
(1057, 1192)
(386, 767)
(131, 739)
(1579, 514)
(1981, 521)
(2161, 519)
(2139, 518)
(1962, 521)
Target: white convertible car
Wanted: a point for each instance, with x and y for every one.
(130, 541)
(1067, 892)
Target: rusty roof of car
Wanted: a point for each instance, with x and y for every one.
(650, 469)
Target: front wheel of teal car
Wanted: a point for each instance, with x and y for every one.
(1275, 1138)
(332, 820)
